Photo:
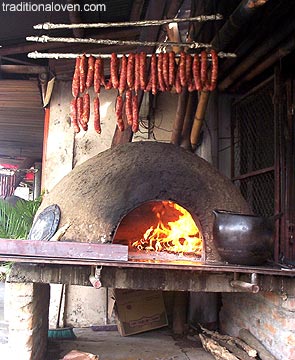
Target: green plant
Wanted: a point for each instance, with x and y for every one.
(16, 220)
(15, 223)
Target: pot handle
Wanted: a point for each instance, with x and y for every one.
(222, 211)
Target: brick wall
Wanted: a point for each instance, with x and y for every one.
(27, 311)
(268, 316)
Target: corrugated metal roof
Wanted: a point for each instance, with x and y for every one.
(21, 119)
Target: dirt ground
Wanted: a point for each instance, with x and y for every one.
(109, 345)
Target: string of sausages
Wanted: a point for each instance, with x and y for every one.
(129, 75)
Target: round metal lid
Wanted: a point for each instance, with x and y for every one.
(45, 224)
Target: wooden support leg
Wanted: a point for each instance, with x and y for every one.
(180, 312)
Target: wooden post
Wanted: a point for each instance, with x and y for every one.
(180, 311)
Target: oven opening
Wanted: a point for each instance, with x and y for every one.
(160, 230)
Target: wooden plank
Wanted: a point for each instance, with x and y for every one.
(63, 249)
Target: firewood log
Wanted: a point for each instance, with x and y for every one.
(251, 340)
(249, 350)
(219, 352)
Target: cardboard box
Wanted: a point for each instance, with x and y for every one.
(139, 311)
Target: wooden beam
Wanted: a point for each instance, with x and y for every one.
(75, 18)
(23, 69)
(136, 10)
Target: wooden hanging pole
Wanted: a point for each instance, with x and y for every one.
(39, 55)
(44, 38)
(201, 18)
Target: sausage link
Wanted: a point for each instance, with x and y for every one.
(149, 85)
(135, 118)
(123, 75)
(204, 69)
(128, 107)
(188, 69)
(214, 71)
(166, 71)
(182, 68)
(130, 70)
(154, 77)
(80, 113)
(171, 68)
(137, 71)
(178, 87)
(114, 71)
(196, 72)
(142, 75)
(160, 72)
(76, 79)
(97, 74)
(83, 70)
(90, 72)
(86, 108)
(74, 115)
(119, 112)
(96, 113)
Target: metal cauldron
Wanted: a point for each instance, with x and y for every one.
(243, 239)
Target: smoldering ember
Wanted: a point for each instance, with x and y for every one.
(147, 180)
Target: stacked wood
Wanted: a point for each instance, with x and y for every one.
(225, 347)
(251, 352)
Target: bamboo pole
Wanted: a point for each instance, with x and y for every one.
(199, 117)
(188, 121)
(201, 18)
(179, 118)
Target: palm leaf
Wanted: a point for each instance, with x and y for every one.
(16, 221)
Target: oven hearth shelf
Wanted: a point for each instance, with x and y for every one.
(107, 265)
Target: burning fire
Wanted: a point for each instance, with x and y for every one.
(179, 236)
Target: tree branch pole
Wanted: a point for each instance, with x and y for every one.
(201, 18)
(38, 55)
(44, 38)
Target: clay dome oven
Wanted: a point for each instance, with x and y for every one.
(97, 196)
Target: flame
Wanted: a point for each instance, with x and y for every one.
(178, 236)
